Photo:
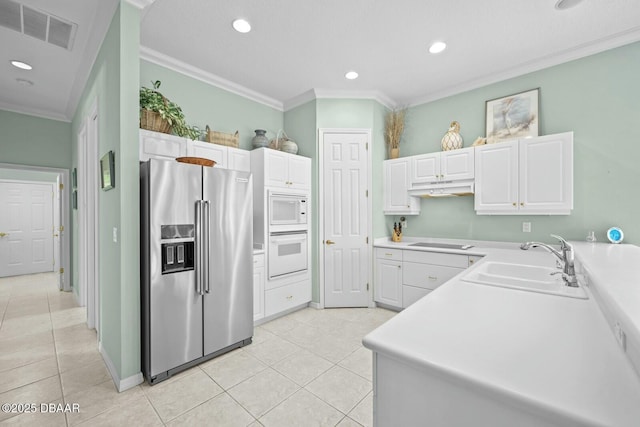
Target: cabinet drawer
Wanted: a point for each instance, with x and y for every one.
(285, 297)
(258, 260)
(384, 253)
(449, 260)
(427, 276)
(411, 294)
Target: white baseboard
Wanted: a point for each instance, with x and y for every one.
(315, 305)
(121, 384)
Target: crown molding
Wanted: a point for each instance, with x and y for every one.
(299, 100)
(140, 4)
(204, 76)
(581, 51)
(313, 94)
(44, 114)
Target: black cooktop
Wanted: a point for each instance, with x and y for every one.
(441, 245)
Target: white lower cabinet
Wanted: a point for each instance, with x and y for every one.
(258, 286)
(279, 299)
(405, 276)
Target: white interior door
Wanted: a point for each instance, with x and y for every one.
(26, 224)
(345, 219)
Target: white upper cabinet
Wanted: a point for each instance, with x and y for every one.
(158, 145)
(532, 176)
(395, 188)
(164, 146)
(433, 168)
(282, 169)
(215, 152)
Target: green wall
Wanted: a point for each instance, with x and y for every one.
(204, 104)
(34, 141)
(596, 97)
(113, 85)
(28, 175)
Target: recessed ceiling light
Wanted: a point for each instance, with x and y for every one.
(21, 65)
(437, 47)
(24, 82)
(242, 25)
(351, 75)
(566, 4)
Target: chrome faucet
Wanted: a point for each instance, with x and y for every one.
(566, 256)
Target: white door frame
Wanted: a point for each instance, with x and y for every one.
(88, 230)
(320, 154)
(63, 207)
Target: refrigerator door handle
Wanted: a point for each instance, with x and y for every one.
(198, 236)
(206, 261)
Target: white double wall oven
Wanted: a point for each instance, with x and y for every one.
(288, 233)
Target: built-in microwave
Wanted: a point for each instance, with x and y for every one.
(287, 211)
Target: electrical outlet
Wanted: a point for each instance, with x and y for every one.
(403, 224)
(620, 336)
(526, 227)
(115, 234)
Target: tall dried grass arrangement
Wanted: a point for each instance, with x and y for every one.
(394, 127)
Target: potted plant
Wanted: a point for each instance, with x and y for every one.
(159, 114)
(393, 129)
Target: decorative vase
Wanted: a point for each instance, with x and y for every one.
(260, 140)
(288, 146)
(452, 139)
(394, 153)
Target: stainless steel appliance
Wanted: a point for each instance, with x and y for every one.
(288, 253)
(196, 264)
(287, 211)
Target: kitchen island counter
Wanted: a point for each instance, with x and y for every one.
(471, 354)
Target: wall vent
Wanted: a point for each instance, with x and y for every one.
(38, 24)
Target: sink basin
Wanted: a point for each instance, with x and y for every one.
(523, 277)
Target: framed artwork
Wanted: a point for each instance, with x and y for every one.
(513, 116)
(74, 178)
(107, 171)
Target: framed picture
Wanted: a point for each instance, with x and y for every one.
(513, 116)
(74, 199)
(107, 171)
(74, 178)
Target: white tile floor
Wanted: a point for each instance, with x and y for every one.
(305, 369)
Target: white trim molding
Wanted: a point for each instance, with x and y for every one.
(121, 384)
(140, 4)
(313, 94)
(206, 77)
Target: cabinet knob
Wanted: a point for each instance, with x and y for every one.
(290, 297)
(521, 203)
(399, 266)
(515, 204)
(432, 278)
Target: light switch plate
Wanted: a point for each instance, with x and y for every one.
(115, 234)
(526, 227)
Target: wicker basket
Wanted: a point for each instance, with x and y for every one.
(227, 139)
(152, 120)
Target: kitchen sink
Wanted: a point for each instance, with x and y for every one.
(523, 277)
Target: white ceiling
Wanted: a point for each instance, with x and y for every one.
(301, 48)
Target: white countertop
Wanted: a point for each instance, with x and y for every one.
(551, 353)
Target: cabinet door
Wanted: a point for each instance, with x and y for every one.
(161, 146)
(395, 186)
(546, 174)
(457, 164)
(425, 169)
(299, 172)
(276, 168)
(239, 160)
(388, 285)
(496, 178)
(215, 152)
(258, 287)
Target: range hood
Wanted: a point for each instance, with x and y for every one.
(442, 189)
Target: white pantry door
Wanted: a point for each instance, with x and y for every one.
(346, 251)
(26, 228)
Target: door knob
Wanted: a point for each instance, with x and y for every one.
(330, 242)
(3, 234)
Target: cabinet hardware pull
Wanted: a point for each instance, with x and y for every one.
(432, 278)
(399, 266)
(521, 203)
(290, 296)
(387, 254)
(515, 204)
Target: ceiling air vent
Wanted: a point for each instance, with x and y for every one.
(38, 24)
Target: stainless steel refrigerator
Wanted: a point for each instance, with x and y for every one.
(196, 264)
